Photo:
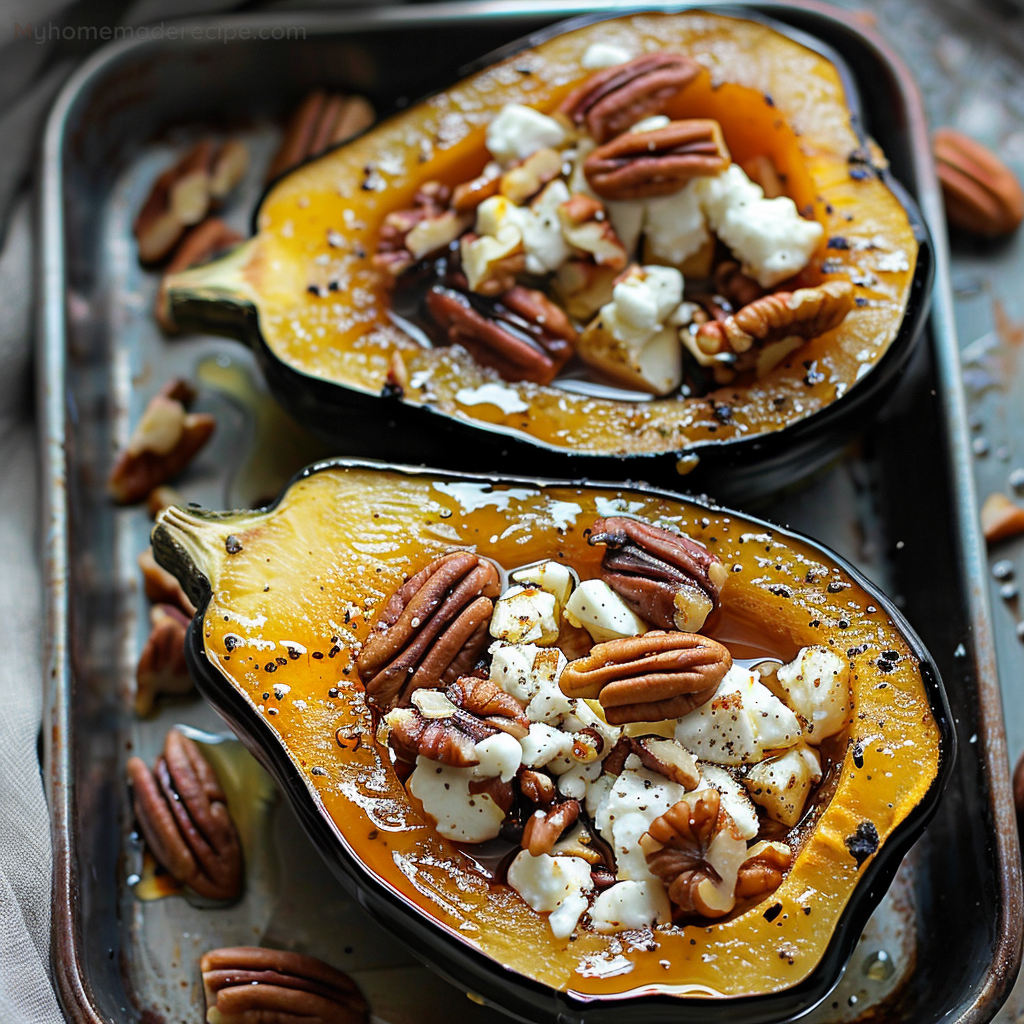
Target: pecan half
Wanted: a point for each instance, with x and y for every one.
(182, 195)
(695, 852)
(650, 677)
(320, 121)
(523, 334)
(981, 193)
(544, 828)
(763, 870)
(254, 985)
(201, 244)
(667, 578)
(805, 313)
(614, 99)
(161, 587)
(487, 700)
(431, 631)
(162, 444)
(162, 667)
(183, 814)
(449, 740)
(640, 165)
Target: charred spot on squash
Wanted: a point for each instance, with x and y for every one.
(863, 843)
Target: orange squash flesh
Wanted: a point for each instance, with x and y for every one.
(311, 576)
(772, 96)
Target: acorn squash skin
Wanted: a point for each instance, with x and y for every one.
(740, 442)
(315, 567)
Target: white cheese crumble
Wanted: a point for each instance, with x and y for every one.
(816, 684)
(543, 743)
(768, 236)
(602, 613)
(604, 55)
(553, 577)
(635, 799)
(734, 799)
(525, 615)
(642, 302)
(530, 674)
(519, 131)
(553, 885)
(444, 793)
(630, 905)
(740, 723)
(674, 225)
(536, 227)
(781, 786)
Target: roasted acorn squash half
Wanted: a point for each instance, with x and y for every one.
(289, 595)
(306, 294)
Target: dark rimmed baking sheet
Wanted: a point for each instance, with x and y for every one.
(900, 505)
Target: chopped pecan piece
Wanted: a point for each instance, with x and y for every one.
(202, 243)
(763, 870)
(431, 631)
(641, 165)
(614, 99)
(526, 178)
(254, 985)
(449, 740)
(544, 828)
(161, 587)
(183, 194)
(467, 196)
(805, 313)
(183, 814)
(162, 667)
(650, 677)
(537, 787)
(981, 193)
(585, 226)
(163, 443)
(321, 120)
(523, 334)
(1001, 518)
(427, 226)
(693, 849)
(487, 700)
(669, 758)
(732, 284)
(666, 578)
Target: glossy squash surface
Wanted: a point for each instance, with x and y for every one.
(322, 309)
(293, 591)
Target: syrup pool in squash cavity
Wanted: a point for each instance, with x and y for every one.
(294, 591)
(325, 311)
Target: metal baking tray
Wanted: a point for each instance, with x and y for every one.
(897, 504)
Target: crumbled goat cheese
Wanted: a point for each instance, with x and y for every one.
(734, 799)
(518, 132)
(768, 236)
(642, 302)
(602, 613)
(630, 905)
(530, 674)
(553, 885)
(781, 786)
(740, 723)
(816, 684)
(604, 55)
(525, 615)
